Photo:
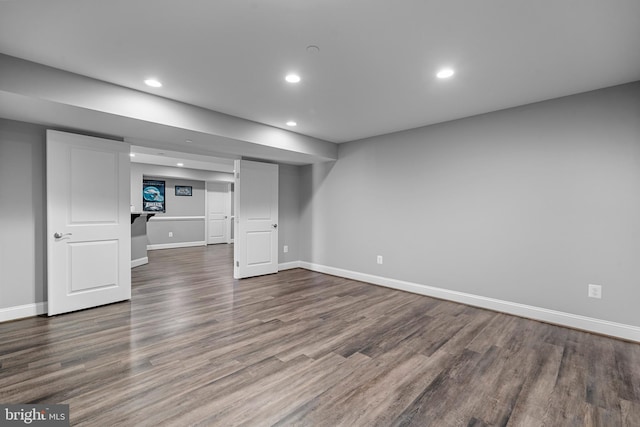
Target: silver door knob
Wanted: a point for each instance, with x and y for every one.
(60, 235)
(274, 225)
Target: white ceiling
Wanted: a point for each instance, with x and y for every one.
(375, 70)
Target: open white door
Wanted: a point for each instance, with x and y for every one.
(88, 222)
(218, 212)
(256, 216)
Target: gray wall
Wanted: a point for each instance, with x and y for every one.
(139, 238)
(181, 205)
(288, 212)
(22, 219)
(527, 205)
(184, 230)
(138, 170)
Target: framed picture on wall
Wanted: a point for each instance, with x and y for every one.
(184, 190)
(153, 196)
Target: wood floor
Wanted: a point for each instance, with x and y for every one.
(195, 347)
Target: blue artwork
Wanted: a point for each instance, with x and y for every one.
(153, 196)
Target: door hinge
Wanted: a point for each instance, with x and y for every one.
(237, 263)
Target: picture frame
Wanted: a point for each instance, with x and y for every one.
(153, 197)
(184, 190)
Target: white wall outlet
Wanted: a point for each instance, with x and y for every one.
(379, 260)
(171, 234)
(595, 291)
(285, 249)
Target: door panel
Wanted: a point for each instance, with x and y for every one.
(94, 186)
(88, 222)
(101, 274)
(217, 231)
(256, 216)
(259, 248)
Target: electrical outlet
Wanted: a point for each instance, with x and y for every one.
(379, 260)
(285, 249)
(595, 291)
(171, 234)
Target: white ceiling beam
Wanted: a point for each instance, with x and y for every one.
(39, 94)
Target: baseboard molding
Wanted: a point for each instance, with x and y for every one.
(175, 245)
(20, 311)
(598, 326)
(140, 261)
(288, 265)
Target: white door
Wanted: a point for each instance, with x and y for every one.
(256, 215)
(88, 222)
(218, 211)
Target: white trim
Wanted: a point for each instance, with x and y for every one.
(288, 265)
(140, 261)
(176, 218)
(605, 327)
(206, 212)
(20, 311)
(175, 245)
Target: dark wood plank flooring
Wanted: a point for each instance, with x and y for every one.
(195, 347)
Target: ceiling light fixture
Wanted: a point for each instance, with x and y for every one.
(445, 73)
(153, 83)
(292, 123)
(132, 154)
(292, 78)
(180, 164)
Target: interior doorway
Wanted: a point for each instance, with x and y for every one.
(219, 213)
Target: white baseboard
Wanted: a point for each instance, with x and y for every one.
(175, 245)
(20, 311)
(288, 265)
(605, 327)
(140, 261)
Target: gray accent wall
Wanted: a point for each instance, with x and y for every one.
(22, 214)
(527, 205)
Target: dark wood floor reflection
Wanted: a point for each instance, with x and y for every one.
(195, 347)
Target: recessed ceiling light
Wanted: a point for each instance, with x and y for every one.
(188, 141)
(132, 154)
(153, 83)
(445, 73)
(292, 78)
(291, 123)
(180, 164)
